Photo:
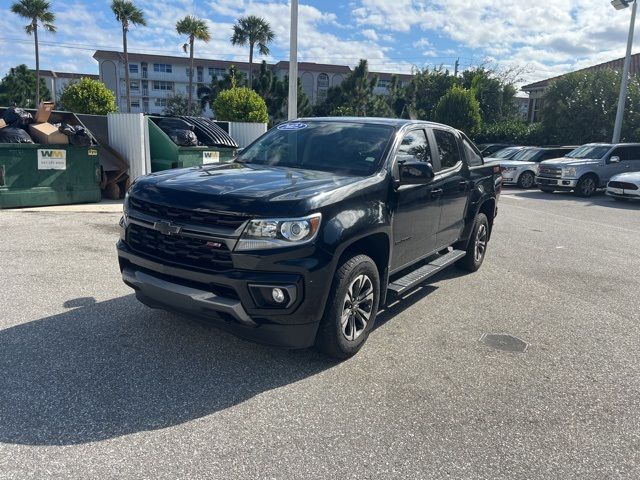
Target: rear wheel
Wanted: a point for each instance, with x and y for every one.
(477, 247)
(526, 180)
(351, 310)
(587, 186)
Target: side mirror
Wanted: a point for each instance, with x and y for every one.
(414, 172)
(614, 159)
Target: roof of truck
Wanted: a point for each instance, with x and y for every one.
(395, 122)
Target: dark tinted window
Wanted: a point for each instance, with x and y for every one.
(447, 148)
(471, 153)
(415, 143)
(344, 148)
(627, 153)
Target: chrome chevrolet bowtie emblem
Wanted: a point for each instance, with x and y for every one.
(167, 228)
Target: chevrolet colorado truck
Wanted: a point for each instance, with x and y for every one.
(310, 229)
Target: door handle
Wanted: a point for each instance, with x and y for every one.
(437, 193)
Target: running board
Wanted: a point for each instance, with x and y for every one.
(416, 277)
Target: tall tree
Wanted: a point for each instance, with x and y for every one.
(18, 86)
(38, 13)
(252, 31)
(195, 29)
(127, 14)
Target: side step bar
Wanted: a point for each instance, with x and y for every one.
(416, 277)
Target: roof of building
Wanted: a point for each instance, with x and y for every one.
(617, 64)
(72, 75)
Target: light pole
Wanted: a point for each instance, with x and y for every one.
(293, 62)
(620, 5)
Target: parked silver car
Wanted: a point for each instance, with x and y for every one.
(588, 167)
(624, 186)
(521, 169)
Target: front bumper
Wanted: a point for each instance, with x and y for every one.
(622, 193)
(225, 298)
(557, 183)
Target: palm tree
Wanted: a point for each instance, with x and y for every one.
(250, 31)
(127, 14)
(37, 12)
(195, 29)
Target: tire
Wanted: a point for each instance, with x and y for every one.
(343, 328)
(477, 245)
(526, 180)
(587, 186)
(547, 190)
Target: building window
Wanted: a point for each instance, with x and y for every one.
(135, 103)
(162, 68)
(134, 85)
(384, 83)
(217, 72)
(158, 85)
(323, 87)
(160, 102)
(133, 68)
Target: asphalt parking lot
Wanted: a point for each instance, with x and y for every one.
(95, 385)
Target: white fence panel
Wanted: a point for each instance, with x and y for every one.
(129, 136)
(246, 133)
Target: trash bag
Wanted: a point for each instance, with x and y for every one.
(17, 117)
(171, 123)
(183, 138)
(77, 134)
(14, 135)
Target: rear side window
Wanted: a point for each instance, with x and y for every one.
(472, 155)
(415, 144)
(447, 149)
(633, 153)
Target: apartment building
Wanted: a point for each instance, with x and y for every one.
(154, 78)
(57, 81)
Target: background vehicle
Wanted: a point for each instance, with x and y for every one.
(521, 169)
(624, 186)
(588, 167)
(302, 237)
(488, 149)
(505, 153)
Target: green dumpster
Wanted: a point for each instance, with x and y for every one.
(34, 175)
(165, 154)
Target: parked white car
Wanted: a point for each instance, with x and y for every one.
(624, 186)
(522, 168)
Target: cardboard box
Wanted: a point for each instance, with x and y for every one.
(47, 134)
(44, 112)
(2, 123)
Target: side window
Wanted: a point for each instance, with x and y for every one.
(447, 148)
(633, 154)
(472, 155)
(415, 143)
(622, 152)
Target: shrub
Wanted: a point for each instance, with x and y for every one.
(460, 109)
(517, 132)
(240, 104)
(88, 96)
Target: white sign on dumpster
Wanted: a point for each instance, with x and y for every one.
(210, 157)
(51, 159)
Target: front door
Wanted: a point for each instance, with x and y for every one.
(416, 210)
(453, 178)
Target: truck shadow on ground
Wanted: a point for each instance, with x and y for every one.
(106, 369)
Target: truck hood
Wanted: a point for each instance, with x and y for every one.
(514, 163)
(244, 189)
(569, 162)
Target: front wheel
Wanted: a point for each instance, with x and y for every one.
(526, 180)
(587, 186)
(351, 309)
(477, 247)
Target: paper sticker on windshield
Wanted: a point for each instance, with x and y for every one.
(292, 126)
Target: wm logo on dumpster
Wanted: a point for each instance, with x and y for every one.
(52, 159)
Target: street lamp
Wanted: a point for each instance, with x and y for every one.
(293, 62)
(621, 5)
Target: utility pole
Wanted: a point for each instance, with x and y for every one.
(457, 64)
(293, 62)
(617, 129)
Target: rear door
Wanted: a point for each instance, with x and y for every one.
(626, 155)
(417, 210)
(452, 184)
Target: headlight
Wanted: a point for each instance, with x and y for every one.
(569, 172)
(279, 232)
(509, 169)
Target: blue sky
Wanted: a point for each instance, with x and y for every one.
(540, 39)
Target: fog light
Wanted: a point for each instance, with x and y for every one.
(278, 295)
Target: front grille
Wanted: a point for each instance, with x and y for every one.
(191, 217)
(623, 185)
(551, 172)
(178, 249)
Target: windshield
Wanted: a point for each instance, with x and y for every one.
(340, 147)
(589, 151)
(526, 155)
(505, 153)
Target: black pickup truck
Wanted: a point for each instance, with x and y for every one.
(310, 229)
